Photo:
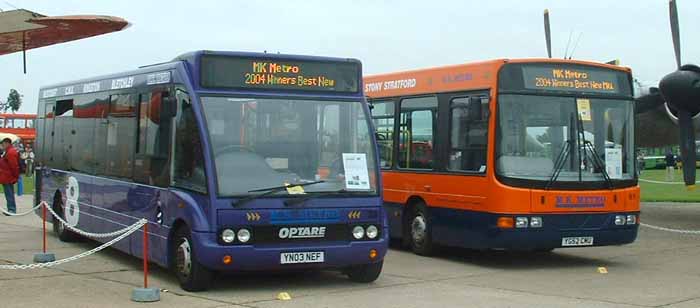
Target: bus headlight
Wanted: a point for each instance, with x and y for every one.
(631, 219)
(521, 222)
(358, 232)
(620, 220)
(243, 235)
(372, 232)
(228, 236)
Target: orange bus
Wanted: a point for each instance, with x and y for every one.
(21, 125)
(533, 154)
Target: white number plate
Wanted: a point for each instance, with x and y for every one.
(577, 241)
(301, 257)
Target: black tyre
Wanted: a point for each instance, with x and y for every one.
(59, 228)
(365, 273)
(420, 230)
(192, 275)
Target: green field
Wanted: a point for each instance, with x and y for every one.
(650, 191)
(666, 192)
(28, 183)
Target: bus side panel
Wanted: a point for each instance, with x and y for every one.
(112, 210)
(147, 202)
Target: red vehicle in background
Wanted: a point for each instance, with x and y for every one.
(21, 125)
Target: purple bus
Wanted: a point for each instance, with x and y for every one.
(239, 161)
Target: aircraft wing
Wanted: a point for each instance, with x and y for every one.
(23, 30)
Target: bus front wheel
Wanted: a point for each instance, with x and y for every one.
(420, 231)
(192, 275)
(365, 273)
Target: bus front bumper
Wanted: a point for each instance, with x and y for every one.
(268, 257)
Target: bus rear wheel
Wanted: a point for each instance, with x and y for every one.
(192, 275)
(365, 273)
(420, 231)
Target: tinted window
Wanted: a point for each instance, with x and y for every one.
(188, 158)
(417, 132)
(84, 122)
(152, 164)
(468, 134)
(121, 135)
(99, 111)
(63, 135)
(383, 116)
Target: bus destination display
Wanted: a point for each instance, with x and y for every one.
(279, 74)
(570, 79)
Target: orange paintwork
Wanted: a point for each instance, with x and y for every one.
(484, 192)
(26, 134)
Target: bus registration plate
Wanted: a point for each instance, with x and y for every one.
(577, 241)
(301, 257)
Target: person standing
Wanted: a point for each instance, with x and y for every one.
(640, 162)
(9, 173)
(670, 166)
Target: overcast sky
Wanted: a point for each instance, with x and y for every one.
(386, 35)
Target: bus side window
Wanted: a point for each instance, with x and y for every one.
(417, 132)
(468, 133)
(84, 141)
(383, 116)
(2, 122)
(188, 154)
(152, 163)
(121, 128)
(63, 138)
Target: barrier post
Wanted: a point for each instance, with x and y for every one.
(145, 294)
(44, 257)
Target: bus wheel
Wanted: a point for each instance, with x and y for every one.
(192, 275)
(365, 273)
(420, 231)
(59, 228)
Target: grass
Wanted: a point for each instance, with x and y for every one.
(666, 192)
(28, 183)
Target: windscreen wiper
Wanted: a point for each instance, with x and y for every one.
(317, 194)
(597, 161)
(563, 154)
(269, 191)
(559, 163)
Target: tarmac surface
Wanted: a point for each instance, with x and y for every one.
(661, 269)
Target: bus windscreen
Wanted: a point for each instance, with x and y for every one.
(575, 79)
(279, 74)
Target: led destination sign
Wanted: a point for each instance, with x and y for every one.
(279, 74)
(559, 78)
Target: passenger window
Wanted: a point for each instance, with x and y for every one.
(383, 116)
(468, 133)
(121, 130)
(20, 123)
(189, 157)
(86, 142)
(417, 132)
(63, 135)
(152, 163)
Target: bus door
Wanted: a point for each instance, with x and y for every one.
(114, 144)
(152, 168)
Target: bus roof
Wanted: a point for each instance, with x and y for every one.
(190, 59)
(474, 75)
